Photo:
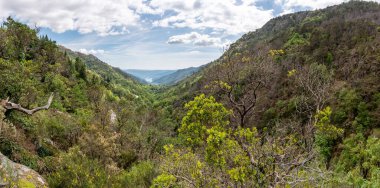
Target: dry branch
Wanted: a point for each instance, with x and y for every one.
(13, 106)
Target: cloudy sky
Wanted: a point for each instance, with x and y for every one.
(151, 34)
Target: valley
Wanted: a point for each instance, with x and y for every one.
(162, 77)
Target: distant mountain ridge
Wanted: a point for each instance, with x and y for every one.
(148, 75)
(107, 72)
(164, 77)
(176, 76)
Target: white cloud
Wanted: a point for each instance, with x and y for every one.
(109, 17)
(115, 17)
(91, 51)
(195, 52)
(289, 6)
(220, 15)
(196, 39)
(309, 4)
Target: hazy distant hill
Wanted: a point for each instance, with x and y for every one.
(166, 77)
(149, 75)
(176, 76)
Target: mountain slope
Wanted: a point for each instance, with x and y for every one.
(164, 77)
(149, 75)
(107, 72)
(97, 130)
(305, 87)
(176, 76)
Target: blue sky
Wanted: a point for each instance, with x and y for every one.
(151, 34)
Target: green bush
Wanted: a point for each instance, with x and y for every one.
(164, 181)
(364, 119)
(326, 133)
(126, 159)
(358, 164)
(296, 40)
(348, 100)
(74, 169)
(140, 175)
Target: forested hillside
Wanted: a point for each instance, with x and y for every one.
(162, 77)
(149, 75)
(293, 104)
(101, 129)
(176, 76)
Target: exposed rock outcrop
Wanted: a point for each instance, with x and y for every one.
(17, 175)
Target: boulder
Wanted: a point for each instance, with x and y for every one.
(17, 175)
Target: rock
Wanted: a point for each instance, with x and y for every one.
(113, 117)
(16, 175)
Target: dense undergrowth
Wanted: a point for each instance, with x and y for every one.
(302, 95)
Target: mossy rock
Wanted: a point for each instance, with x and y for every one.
(17, 175)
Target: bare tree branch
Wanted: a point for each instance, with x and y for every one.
(13, 106)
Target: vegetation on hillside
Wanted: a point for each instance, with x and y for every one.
(177, 76)
(293, 104)
(101, 128)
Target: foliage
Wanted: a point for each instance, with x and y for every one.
(203, 113)
(276, 52)
(363, 120)
(329, 58)
(86, 93)
(313, 19)
(164, 181)
(296, 40)
(326, 133)
(292, 72)
(139, 175)
(358, 163)
(74, 169)
(220, 145)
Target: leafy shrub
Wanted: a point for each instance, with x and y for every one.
(348, 100)
(140, 175)
(296, 40)
(126, 159)
(363, 120)
(74, 169)
(326, 133)
(358, 163)
(164, 180)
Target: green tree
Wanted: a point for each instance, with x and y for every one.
(80, 67)
(358, 163)
(202, 113)
(326, 132)
(220, 155)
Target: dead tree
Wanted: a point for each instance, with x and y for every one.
(244, 85)
(7, 105)
(246, 103)
(314, 82)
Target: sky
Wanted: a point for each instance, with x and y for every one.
(151, 34)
